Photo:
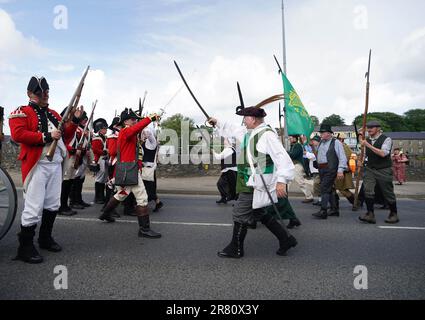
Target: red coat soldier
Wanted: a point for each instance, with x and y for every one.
(127, 148)
(35, 127)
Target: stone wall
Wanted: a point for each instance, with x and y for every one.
(415, 171)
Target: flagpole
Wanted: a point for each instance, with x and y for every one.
(286, 140)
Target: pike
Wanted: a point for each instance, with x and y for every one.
(142, 104)
(242, 106)
(362, 152)
(280, 124)
(191, 93)
(72, 105)
(81, 141)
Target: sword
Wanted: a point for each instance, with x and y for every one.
(191, 93)
(242, 106)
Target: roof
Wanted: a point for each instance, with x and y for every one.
(406, 135)
(338, 128)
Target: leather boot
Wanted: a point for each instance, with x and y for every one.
(73, 195)
(45, 239)
(293, 223)
(27, 251)
(107, 211)
(235, 247)
(144, 224)
(322, 214)
(286, 241)
(393, 217)
(64, 209)
(99, 197)
(158, 205)
(80, 192)
(369, 217)
(130, 205)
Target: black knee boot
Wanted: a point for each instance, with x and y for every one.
(66, 190)
(130, 205)
(80, 193)
(107, 211)
(45, 239)
(73, 196)
(235, 247)
(26, 251)
(99, 189)
(286, 241)
(144, 224)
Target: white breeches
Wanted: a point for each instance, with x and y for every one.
(139, 192)
(43, 191)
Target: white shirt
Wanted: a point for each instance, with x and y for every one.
(268, 143)
(226, 153)
(311, 157)
(150, 143)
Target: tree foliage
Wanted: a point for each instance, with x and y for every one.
(334, 120)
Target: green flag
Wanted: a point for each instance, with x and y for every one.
(297, 118)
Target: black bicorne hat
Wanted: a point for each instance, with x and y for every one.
(115, 122)
(251, 112)
(99, 124)
(128, 113)
(37, 85)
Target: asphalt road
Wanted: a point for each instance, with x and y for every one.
(109, 261)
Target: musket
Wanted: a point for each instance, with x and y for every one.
(81, 141)
(142, 104)
(357, 133)
(362, 149)
(72, 104)
(191, 93)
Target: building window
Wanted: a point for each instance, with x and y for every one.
(420, 142)
(400, 143)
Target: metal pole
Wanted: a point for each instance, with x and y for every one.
(286, 139)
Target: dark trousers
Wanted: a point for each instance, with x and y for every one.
(327, 190)
(150, 187)
(227, 185)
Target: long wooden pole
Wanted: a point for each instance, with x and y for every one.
(362, 152)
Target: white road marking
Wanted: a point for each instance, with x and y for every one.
(153, 222)
(402, 228)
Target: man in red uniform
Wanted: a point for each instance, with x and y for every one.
(35, 127)
(100, 151)
(127, 148)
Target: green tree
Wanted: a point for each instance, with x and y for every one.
(393, 122)
(415, 119)
(384, 125)
(174, 123)
(315, 120)
(334, 120)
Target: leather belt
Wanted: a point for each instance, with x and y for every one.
(323, 165)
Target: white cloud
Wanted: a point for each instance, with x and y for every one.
(13, 44)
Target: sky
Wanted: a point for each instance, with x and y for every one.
(131, 45)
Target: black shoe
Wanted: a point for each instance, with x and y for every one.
(158, 206)
(77, 206)
(66, 212)
(293, 223)
(85, 204)
(290, 242)
(148, 233)
(49, 245)
(317, 203)
(106, 217)
(222, 200)
(322, 214)
(334, 213)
